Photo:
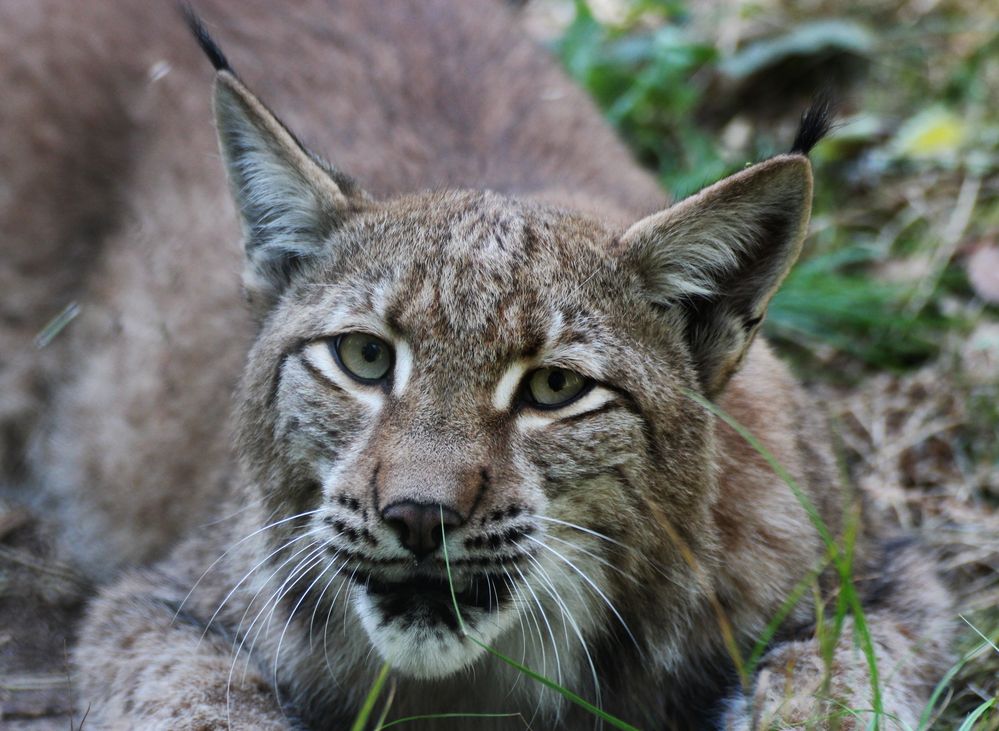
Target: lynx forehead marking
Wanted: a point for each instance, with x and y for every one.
(555, 326)
(379, 300)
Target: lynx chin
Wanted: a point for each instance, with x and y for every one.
(478, 328)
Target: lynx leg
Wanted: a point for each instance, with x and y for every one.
(907, 615)
(140, 667)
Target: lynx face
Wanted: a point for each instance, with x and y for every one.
(471, 363)
(466, 373)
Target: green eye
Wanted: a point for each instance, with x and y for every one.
(363, 356)
(551, 388)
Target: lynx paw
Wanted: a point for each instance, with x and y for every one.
(794, 689)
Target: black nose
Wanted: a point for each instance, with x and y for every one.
(419, 525)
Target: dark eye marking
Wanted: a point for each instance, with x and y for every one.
(612, 405)
(318, 374)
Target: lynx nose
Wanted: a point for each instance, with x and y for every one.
(419, 526)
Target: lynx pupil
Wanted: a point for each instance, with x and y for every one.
(556, 380)
(371, 351)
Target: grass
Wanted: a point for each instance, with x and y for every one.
(882, 272)
(840, 552)
(368, 707)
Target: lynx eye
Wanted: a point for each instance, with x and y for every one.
(363, 356)
(551, 388)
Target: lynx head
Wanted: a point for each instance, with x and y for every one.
(468, 372)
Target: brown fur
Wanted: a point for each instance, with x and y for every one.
(133, 449)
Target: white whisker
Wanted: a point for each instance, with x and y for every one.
(599, 559)
(541, 640)
(238, 650)
(511, 584)
(312, 620)
(271, 604)
(313, 558)
(567, 614)
(291, 615)
(329, 615)
(254, 569)
(226, 552)
(246, 576)
(659, 568)
(592, 585)
(551, 632)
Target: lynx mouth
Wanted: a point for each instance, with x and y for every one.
(429, 599)
(421, 629)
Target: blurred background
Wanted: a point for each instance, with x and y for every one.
(892, 316)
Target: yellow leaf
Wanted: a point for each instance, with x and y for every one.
(935, 132)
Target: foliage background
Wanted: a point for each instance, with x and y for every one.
(892, 316)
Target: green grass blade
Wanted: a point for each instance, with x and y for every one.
(56, 325)
(775, 465)
(450, 580)
(785, 609)
(386, 707)
(369, 702)
(564, 692)
(969, 722)
(841, 560)
(945, 681)
(979, 633)
(433, 716)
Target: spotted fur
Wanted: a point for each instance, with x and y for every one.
(628, 545)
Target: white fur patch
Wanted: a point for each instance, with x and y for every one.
(555, 326)
(416, 650)
(506, 389)
(380, 299)
(403, 367)
(535, 419)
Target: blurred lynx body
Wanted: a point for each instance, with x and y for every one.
(503, 364)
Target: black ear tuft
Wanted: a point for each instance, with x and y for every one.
(204, 39)
(816, 121)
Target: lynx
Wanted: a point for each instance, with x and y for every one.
(473, 404)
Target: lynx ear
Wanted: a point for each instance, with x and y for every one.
(289, 200)
(719, 256)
